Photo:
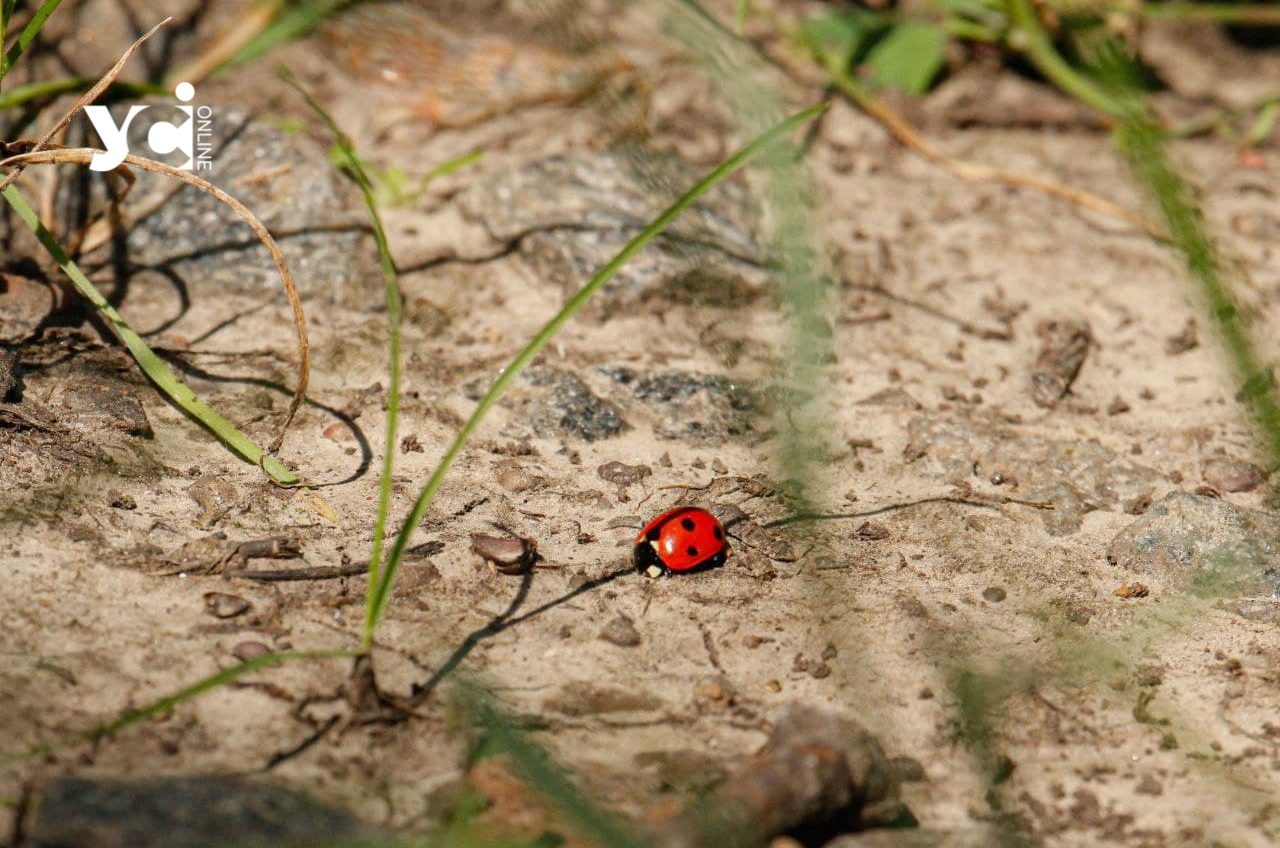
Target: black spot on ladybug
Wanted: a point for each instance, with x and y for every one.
(687, 524)
(691, 551)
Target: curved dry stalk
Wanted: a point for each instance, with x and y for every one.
(88, 97)
(83, 155)
(974, 172)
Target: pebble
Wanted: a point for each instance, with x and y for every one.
(1232, 475)
(245, 651)
(994, 594)
(621, 632)
(222, 605)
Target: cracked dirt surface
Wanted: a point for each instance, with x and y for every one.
(114, 505)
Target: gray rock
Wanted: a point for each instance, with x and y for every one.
(562, 404)
(1075, 476)
(572, 213)
(700, 408)
(24, 304)
(208, 811)
(1204, 544)
(288, 182)
(98, 402)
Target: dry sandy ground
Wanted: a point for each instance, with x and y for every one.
(1130, 722)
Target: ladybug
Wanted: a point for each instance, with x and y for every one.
(682, 539)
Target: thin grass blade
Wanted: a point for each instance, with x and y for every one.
(355, 168)
(151, 364)
(28, 34)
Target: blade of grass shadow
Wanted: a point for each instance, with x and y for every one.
(151, 364)
(354, 167)
(540, 340)
(162, 705)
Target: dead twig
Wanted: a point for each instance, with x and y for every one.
(318, 572)
(83, 155)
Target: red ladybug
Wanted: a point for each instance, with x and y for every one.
(682, 539)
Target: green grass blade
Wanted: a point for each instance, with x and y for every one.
(28, 34)
(292, 24)
(52, 88)
(536, 769)
(151, 364)
(386, 581)
(162, 705)
(354, 166)
(1144, 148)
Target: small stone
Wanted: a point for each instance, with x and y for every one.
(925, 694)
(1149, 786)
(509, 554)
(222, 605)
(514, 476)
(1064, 345)
(819, 670)
(907, 769)
(773, 686)
(245, 651)
(340, 432)
(1118, 406)
(830, 652)
(119, 500)
(214, 496)
(622, 474)
(621, 632)
(410, 444)
(1131, 590)
(994, 594)
(872, 531)
(1232, 475)
(1187, 339)
(718, 466)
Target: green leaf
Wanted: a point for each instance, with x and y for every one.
(909, 57)
(1265, 123)
(842, 36)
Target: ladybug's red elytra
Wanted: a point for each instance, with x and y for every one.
(682, 539)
